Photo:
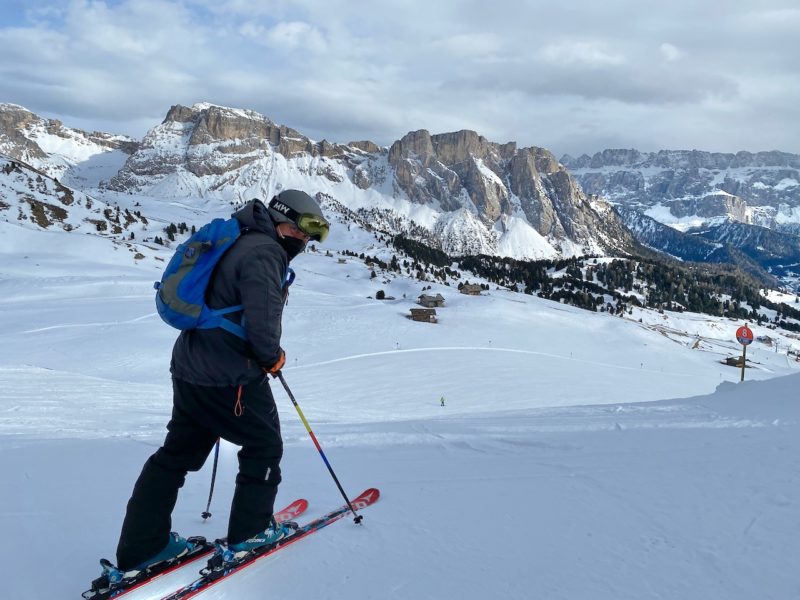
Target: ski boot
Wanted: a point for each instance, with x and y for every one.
(227, 555)
(113, 578)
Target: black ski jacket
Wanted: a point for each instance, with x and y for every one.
(251, 273)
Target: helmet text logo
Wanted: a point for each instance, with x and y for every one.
(280, 207)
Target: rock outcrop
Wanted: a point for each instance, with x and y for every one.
(48, 145)
(741, 208)
(758, 185)
(458, 190)
(462, 169)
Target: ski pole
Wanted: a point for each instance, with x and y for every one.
(357, 518)
(207, 514)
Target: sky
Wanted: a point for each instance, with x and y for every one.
(573, 77)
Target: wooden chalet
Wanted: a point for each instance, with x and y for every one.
(431, 301)
(473, 289)
(425, 315)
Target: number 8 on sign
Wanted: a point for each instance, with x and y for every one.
(744, 335)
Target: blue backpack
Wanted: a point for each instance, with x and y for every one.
(180, 295)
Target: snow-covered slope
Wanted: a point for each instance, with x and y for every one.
(33, 199)
(577, 454)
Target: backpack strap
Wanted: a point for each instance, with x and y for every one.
(214, 318)
(210, 318)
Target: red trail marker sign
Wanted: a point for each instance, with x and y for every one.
(744, 335)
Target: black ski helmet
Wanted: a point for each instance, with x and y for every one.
(297, 207)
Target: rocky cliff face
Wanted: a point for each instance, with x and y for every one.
(48, 145)
(14, 121)
(495, 182)
(760, 188)
(473, 193)
(455, 191)
(741, 208)
(683, 159)
(206, 150)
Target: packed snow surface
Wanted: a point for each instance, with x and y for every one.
(577, 456)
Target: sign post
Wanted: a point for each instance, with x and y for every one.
(745, 337)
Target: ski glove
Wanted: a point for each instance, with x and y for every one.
(275, 368)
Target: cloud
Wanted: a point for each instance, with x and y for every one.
(572, 77)
(286, 36)
(113, 62)
(476, 45)
(777, 17)
(590, 54)
(670, 52)
(593, 76)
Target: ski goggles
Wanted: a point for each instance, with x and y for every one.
(314, 226)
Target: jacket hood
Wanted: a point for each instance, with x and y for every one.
(254, 216)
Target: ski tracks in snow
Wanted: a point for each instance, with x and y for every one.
(488, 349)
(96, 324)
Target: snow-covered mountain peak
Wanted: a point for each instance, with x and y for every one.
(687, 189)
(241, 112)
(232, 155)
(59, 151)
(10, 106)
(228, 155)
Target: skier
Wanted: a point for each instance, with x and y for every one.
(220, 390)
(442, 400)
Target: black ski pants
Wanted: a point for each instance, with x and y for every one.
(243, 415)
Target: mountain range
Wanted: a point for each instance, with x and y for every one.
(681, 187)
(742, 208)
(456, 192)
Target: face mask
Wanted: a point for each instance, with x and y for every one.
(292, 246)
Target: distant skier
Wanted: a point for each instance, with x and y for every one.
(442, 400)
(220, 390)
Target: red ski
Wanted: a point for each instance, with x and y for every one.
(211, 576)
(203, 549)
